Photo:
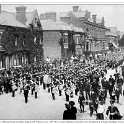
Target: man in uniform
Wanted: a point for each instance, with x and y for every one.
(26, 91)
(81, 101)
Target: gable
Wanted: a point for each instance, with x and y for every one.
(35, 20)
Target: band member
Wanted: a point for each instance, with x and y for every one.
(81, 101)
(111, 85)
(26, 91)
(53, 91)
(67, 93)
(60, 87)
(100, 111)
(13, 88)
(36, 90)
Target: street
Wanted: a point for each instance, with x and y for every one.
(43, 108)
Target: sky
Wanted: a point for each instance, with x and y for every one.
(113, 14)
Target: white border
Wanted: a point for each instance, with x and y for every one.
(69, 2)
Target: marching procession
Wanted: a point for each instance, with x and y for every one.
(88, 80)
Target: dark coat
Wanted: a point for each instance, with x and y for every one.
(81, 99)
(73, 113)
(67, 115)
(114, 113)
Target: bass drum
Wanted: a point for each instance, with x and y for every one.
(46, 79)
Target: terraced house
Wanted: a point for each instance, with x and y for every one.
(20, 37)
(94, 27)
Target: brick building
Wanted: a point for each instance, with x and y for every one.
(20, 37)
(59, 37)
(94, 28)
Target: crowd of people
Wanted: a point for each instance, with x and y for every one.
(85, 79)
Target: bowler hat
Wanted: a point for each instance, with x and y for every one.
(72, 103)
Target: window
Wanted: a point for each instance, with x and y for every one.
(0, 35)
(35, 39)
(23, 42)
(40, 42)
(16, 41)
(35, 59)
(77, 40)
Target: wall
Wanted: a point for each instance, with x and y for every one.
(51, 44)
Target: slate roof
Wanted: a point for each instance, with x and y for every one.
(79, 14)
(9, 19)
(109, 33)
(58, 26)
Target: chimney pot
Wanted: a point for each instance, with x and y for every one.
(75, 8)
(21, 14)
(87, 14)
(103, 21)
(94, 18)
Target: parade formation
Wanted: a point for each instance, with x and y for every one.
(86, 79)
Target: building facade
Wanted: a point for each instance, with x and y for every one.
(94, 28)
(59, 37)
(21, 38)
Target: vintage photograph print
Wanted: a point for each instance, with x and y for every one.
(61, 62)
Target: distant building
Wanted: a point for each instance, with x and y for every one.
(95, 38)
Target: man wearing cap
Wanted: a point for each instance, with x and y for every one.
(113, 112)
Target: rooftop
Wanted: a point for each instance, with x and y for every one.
(9, 19)
(59, 26)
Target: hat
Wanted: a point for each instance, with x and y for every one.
(112, 101)
(101, 102)
(72, 103)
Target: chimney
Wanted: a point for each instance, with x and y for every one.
(87, 14)
(75, 8)
(103, 21)
(21, 14)
(94, 18)
(0, 8)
